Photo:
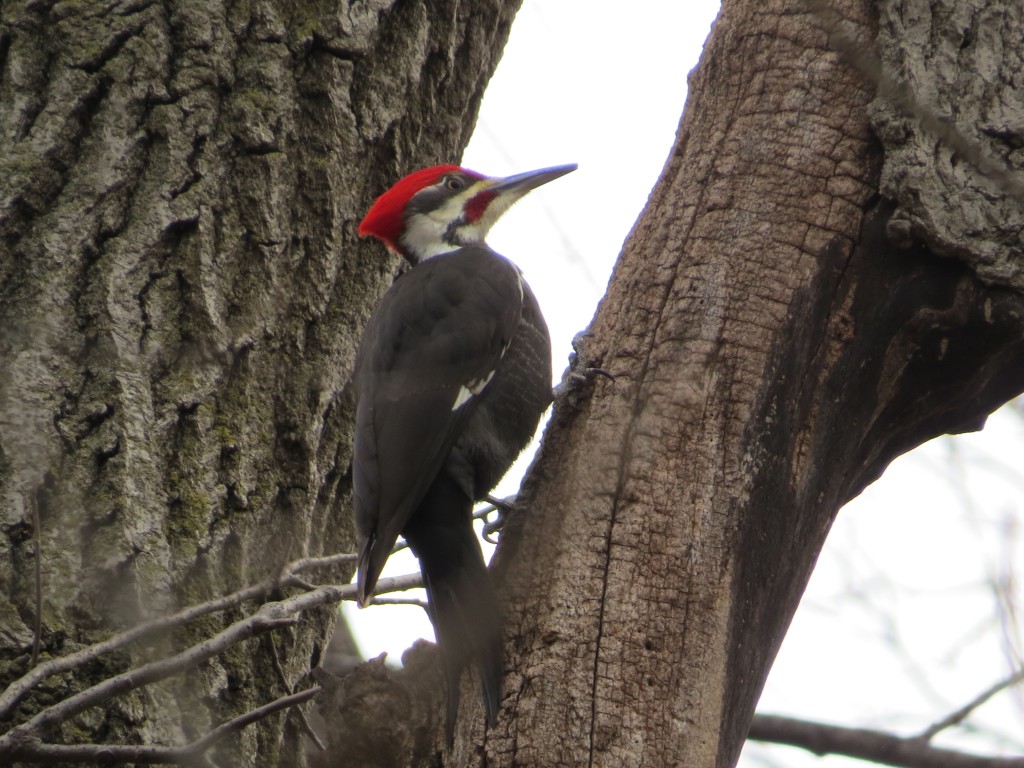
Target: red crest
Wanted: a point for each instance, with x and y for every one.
(384, 219)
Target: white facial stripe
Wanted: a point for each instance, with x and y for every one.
(424, 232)
(468, 391)
(424, 235)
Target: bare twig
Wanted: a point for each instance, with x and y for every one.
(35, 750)
(17, 690)
(319, 562)
(399, 546)
(238, 723)
(957, 717)
(399, 601)
(864, 744)
(270, 616)
(283, 679)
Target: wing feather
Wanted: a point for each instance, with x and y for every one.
(441, 329)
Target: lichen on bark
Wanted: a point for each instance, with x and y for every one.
(181, 293)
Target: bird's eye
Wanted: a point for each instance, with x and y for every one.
(454, 183)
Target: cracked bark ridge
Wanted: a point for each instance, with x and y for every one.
(962, 60)
(181, 294)
(773, 351)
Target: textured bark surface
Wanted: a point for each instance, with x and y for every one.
(181, 292)
(774, 350)
(964, 58)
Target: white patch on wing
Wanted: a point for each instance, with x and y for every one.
(468, 391)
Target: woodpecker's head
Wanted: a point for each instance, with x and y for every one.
(442, 208)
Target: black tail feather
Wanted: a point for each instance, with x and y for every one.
(463, 605)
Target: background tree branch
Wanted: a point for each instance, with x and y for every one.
(867, 744)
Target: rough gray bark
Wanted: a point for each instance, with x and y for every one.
(181, 292)
(779, 333)
(964, 59)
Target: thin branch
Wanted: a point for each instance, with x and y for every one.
(238, 723)
(33, 749)
(399, 546)
(390, 584)
(399, 601)
(865, 744)
(270, 616)
(957, 717)
(319, 562)
(283, 679)
(17, 690)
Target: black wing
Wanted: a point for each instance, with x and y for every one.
(436, 337)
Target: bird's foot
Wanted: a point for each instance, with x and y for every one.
(580, 372)
(499, 508)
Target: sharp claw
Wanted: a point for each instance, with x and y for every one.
(579, 371)
(501, 507)
(588, 373)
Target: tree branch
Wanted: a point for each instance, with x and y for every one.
(17, 690)
(269, 616)
(307, 563)
(864, 744)
(233, 726)
(282, 678)
(959, 715)
(35, 750)
(399, 601)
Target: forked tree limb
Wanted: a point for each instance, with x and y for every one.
(24, 741)
(32, 749)
(17, 690)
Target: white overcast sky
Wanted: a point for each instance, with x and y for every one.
(907, 565)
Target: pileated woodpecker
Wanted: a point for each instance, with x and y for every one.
(452, 375)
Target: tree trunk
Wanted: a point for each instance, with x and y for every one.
(181, 293)
(780, 325)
